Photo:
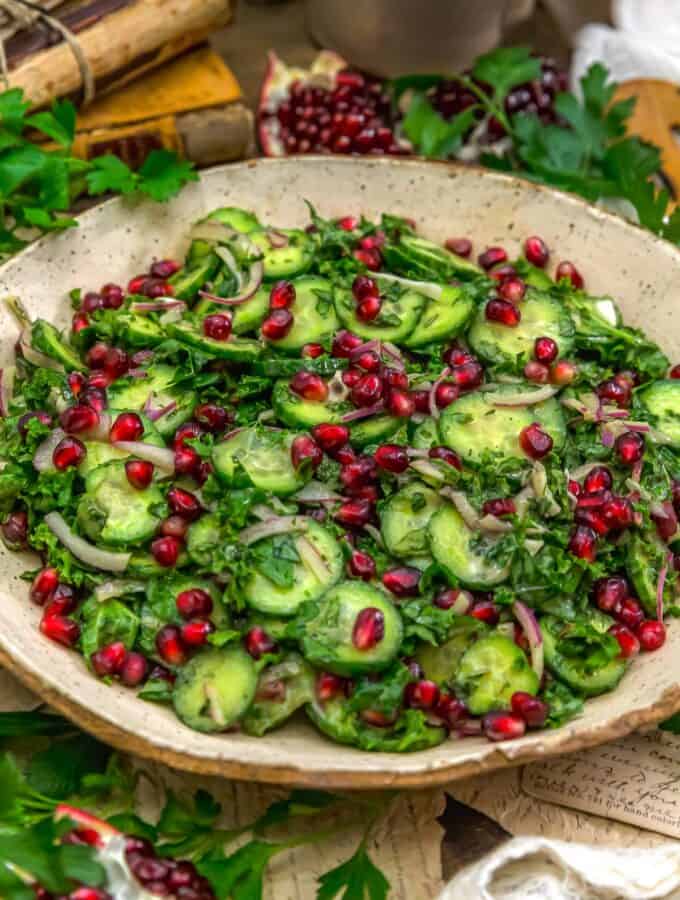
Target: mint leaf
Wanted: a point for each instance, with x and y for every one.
(110, 174)
(505, 68)
(163, 174)
(356, 879)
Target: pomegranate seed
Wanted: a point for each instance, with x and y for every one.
(369, 628)
(304, 451)
(196, 632)
(345, 343)
(530, 708)
(503, 726)
(99, 379)
(187, 461)
(190, 431)
(348, 223)
(403, 581)
(368, 492)
(582, 543)
(184, 503)
(651, 634)
(116, 363)
(212, 417)
(160, 673)
(392, 458)
(492, 256)
(217, 327)
(113, 296)
(371, 258)
(108, 659)
(309, 386)
(614, 392)
(393, 378)
(92, 302)
(421, 694)
(133, 670)
(537, 372)
(446, 455)
(364, 286)
(485, 611)
(469, 375)
(630, 446)
(455, 355)
(367, 390)
(329, 686)
(500, 506)
(594, 499)
(598, 479)
(369, 361)
(277, 324)
(62, 601)
(68, 452)
(165, 550)
(76, 419)
(373, 241)
(629, 644)
(377, 719)
(79, 323)
(136, 284)
(354, 513)
(360, 470)
(368, 308)
(512, 289)
(42, 417)
(282, 295)
(421, 398)
(535, 442)
(666, 522)
(194, 603)
(573, 487)
(60, 629)
(170, 646)
(95, 397)
(536, 251)
(445, 394)
(15, 530)
(139, 473)
(450, 710)
(44, 584)
(312, 351)
(127, 427)
(96, 355)
(164, 268)
(258, 643)
(545, 350)
(593, 518)
(351, 377)
(76, 382)
(674, 372)
(630, 613)
(447, 598)
(400, 403)
(503, 273)
(618, 512)
(563, 372)
(568, 270)
(459, 246)
(330, 437)
(610, 593)
(503, 312)
(89, 893)
(361, 565)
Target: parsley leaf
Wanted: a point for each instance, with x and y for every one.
(505, 68)
(432, 134)
(356, 879)
(109, 173)
(163, 174)
(241, 875)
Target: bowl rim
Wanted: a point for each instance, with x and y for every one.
(353, 777)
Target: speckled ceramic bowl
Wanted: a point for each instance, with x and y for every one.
(118, 239)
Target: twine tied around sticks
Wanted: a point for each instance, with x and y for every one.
(22, 14)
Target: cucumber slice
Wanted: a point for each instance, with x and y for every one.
(143, 565)
(572, 670)
(450, 541)
(398, 317)
(46, 339)
(473, 426)
(234, 217)
(259, 456)
(441, 664)
(140, 331)
(281, 689)
(114, 512)
(374, 430)
(236, 349)
(426, 435)
(215, 688)
(661, 400)
(100, 453)
(542, 316)
(188, 281)
(490, 672)
(420, 258)
(203, 538)
(405, 517)
(326, 627)
(300, 580)
(442, 319)
(284, 262)
(133, 393)
(314, 317)
(159, 606)
(644, 559)
(247, 316)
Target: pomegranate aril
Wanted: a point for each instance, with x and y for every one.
(282, 295)
(545, 350)
(499, 506)
(368, 361)
(630, 447)
(96, 355)
(502, 273)
(486, 611)
(212, 417)
(568, 270)
(610, 593)
(492, 256)
(651, 634)
(666, 520)
(76, 382)
(60, 629)
(42, 417)
(113, 296)
(277, 324)
(593, 518)
(364, 286)
(536, 372)
(95, 397)
(329, 686)
(184, 503)
(628, 643)
(445, 394)
(360, 470)
(393, 378)
(594, 500)
(127, 427)
(450, 710)
(68, 452)
(79, 322)
(455, 355)
(368, 309)
(194, 603)
(196, 632)
(400, 403)
(368, 492)
(165, 550)
(116, 363)
(170, 646)
(535, 442)
(136, 284)
(99, 380)
(305, 451)
(330, 437)
(351, 377)
(309, 386)
(447, 598)
(377, 719)
(563, 372)
(369, 628)
(403, 581)
(344, 344)
(392, 458)
(674, 372)
(536, 251)
(217, 327)
(187, 461)
(348, 223)
(613, 391)
(108, 659)
(133, 670)
(43, 585)
(367, 391)
(530, 708)
(361, 565)
(598, 479)
(15, 530)
(164, 268)
(312, 351)
(629, 613)
(190, 431)
(421, 694)
(459, 246)
(503, 312)
(503, 726)
(354, 513)
(372, 258)
(258, 643)
(583, 543)
(446, 455)
(512, 289)
(92, 302)
(421, 399)
(139, 473)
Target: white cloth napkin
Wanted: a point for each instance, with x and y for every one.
(644, 43)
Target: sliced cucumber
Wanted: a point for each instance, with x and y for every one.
(234, 217)
(374, 430)
(426, 435)
(158, 387)
(284, 262)
(215, 688)
(236, 349)
(661, 399)
(542, 316)
(645, 557)
(314, 317)
(327, 626)
(203, 537)
(491, 671)
(140, 331)
(442, 319)
(404, 519)
(399, 314)
(571, 669)
(100, 453)
(474, 425)
(114, 512)
(305, 580)
(259, 456)
(450, 542)
(441, 664)
(188, 281)
(420, 258)
(246, 317)
(281, 689)
(46, 339)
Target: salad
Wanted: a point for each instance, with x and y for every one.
(346, 472)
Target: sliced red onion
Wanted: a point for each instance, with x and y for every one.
(255, 275)
(137, 373)
(527, 619)
(316, 492)
(641, 427)
(228, 259)
(612, 412)
(636, 471)
(35, 357)
(209, 230)
(117, 587)
(7, 376)
(494, 525)
(428, 469)
(276, 238)
(391, 350)
(155, 413)
(141, 357)
(375, 534)
(364, 412)
(272, 527)
(262, 512)
(607, 438)
(660, 585)
(161, 457)
(337, 389)
(426, 288)
(580, 472)
(365, 348)
(101, 430)
(311, 558)
(432, 399)
(469, 728)
(526, 398)
(417, 453)
(106, 560)
(233, 433)
(144, 306)
(42, 459)
(466, 510)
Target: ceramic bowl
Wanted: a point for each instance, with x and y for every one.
(117, 239)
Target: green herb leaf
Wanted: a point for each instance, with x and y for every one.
(506, 67)
(241, 875)
(109, 173)
(163, 174)
(432, 134)
(357, 879)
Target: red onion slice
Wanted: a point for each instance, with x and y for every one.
(272, 527)
(365, 348)
(155, 413)
(526, 398)
(42, 459)
(393, 352)
(161, 457)
(229, 260)
(426, 288)
(428, 469)
(255, 275)
(311, 558)
(157, 305)
(607, 438)
(276, 238)
(527, 619)
(210, 230)
(141, 357)
(364, 412)
(316, 492)
(106, 560)
(432, 399)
